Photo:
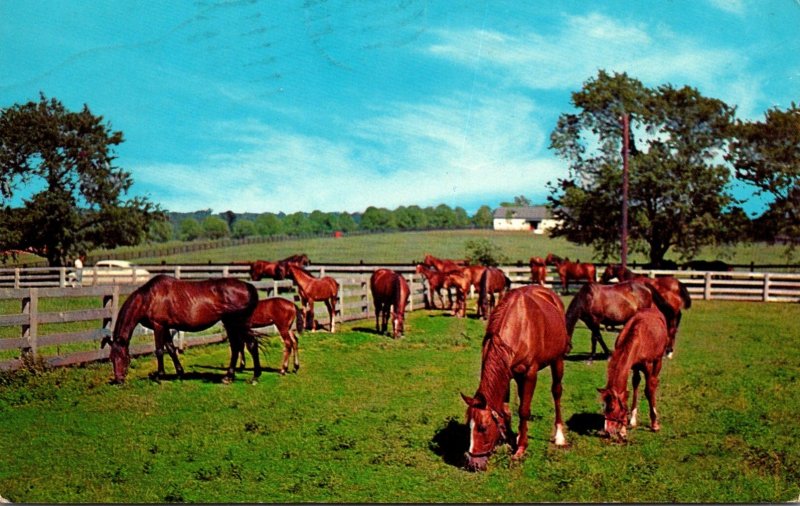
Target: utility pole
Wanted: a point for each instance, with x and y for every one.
(624, 233)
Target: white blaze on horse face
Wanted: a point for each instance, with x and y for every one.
(560, 440)
(471, 435)
(633, 417)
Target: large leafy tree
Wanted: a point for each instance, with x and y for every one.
(679, 195)
(65, 161)
(767, 155)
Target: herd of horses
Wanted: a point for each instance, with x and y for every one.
(528, 329)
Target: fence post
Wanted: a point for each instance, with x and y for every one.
(364, 298)
(411, 293)
(178, 272)
(30, 331)
(226, 271)
(111, 301)
(766, 287)
(16, 277)
(707, 287)
(62, 277)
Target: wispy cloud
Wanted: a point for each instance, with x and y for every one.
(586, 43)
(406, 153)
(731, 6)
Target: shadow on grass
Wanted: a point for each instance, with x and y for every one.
(584, 357)
(451, 442)
(586, 424)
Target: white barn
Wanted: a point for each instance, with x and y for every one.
(528, 218)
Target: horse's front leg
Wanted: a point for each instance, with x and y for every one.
(295, 350)
(526, 384)
(287, 348)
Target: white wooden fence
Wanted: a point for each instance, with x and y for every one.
(31, 326)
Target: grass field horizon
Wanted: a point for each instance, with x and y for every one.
(407, 247)
(371, 419)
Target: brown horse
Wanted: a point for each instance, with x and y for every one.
(165, 303)
(617, 271)
(526, 333)
(264, 269)
(610, 305)
(493, 281)
(435, 280)
(281, 313)
(461, 281)
(312, 289)
(568, 270)
(474, 272)
(552, 259)
(538, 270)
(389, 291)
(672, 290)
(443, 264)
(640, 347)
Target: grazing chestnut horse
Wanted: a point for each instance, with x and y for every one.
(301, 259)
(610, 305)
(165, 303)
(281, 313)
(461, 281)
(538, 270)
(640, 347)
(389, 291)
(575, 270)
(435, 280)
(526, 333)
(552, 259)
(493, 281)
(443, 264)
(312, 289)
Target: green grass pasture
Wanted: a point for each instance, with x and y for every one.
(371, 419)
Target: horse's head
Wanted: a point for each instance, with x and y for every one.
(487, 429)
(609, 273)
(615, 411)
(398, 324)
(120, 357)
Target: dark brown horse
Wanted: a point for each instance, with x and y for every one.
(390, 294)
(552, 259)
(672, 290)
(640, 347)
(165, 303)
(538, 270)
(609, 305)
(617, 271)
(474, 272)
(494, 281)
(282, 313)
(461, 281)
(525, 334)
(265, 269)
(435, 281)
(443, 264)
(568, 270)
(313, 289)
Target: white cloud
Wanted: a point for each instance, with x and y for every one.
(423, 154)
(587, 43)
(731, 6)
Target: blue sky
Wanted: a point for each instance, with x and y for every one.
(337, 105)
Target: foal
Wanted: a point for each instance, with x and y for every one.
(640, 347)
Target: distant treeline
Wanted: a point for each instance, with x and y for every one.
(205, 224)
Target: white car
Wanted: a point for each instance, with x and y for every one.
(106, 272)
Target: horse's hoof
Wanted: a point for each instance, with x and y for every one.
(254, 381)
(282, 372)
(227, 380)
(519, 454)
(655, 427)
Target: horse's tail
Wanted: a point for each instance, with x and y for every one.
(661, 303)
(685, 295)
(298, 319)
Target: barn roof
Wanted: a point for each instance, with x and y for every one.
(522, 212)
